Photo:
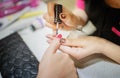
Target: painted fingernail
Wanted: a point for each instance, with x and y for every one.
(63, 16)
(62, 40)
(59, 36)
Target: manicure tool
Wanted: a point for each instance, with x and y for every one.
(57, 20)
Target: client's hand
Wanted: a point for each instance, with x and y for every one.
(56, 65)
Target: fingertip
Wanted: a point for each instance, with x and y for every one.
(62, 40)
(54, 44)
(62, 16)
(59, 36)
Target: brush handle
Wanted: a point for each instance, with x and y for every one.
(57, 11)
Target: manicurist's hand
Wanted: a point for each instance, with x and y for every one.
(69, 20)
(56, 65)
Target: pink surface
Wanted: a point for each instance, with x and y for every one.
(80, 4)
(117, 32)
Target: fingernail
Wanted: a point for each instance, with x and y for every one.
(63, 16)
(59, 36)
(62, 40)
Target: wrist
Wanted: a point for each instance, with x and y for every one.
(101, 46)
(109, 47)
(111, 50)
(104, 47)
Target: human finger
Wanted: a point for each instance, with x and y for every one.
(73, 51)
(50, 8)
(73, 42)
(76, 52)
(67, 19)
(50, 25)
(54, 45)
(50, 36)
(48, 18)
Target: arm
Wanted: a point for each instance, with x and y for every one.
(112, 51)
